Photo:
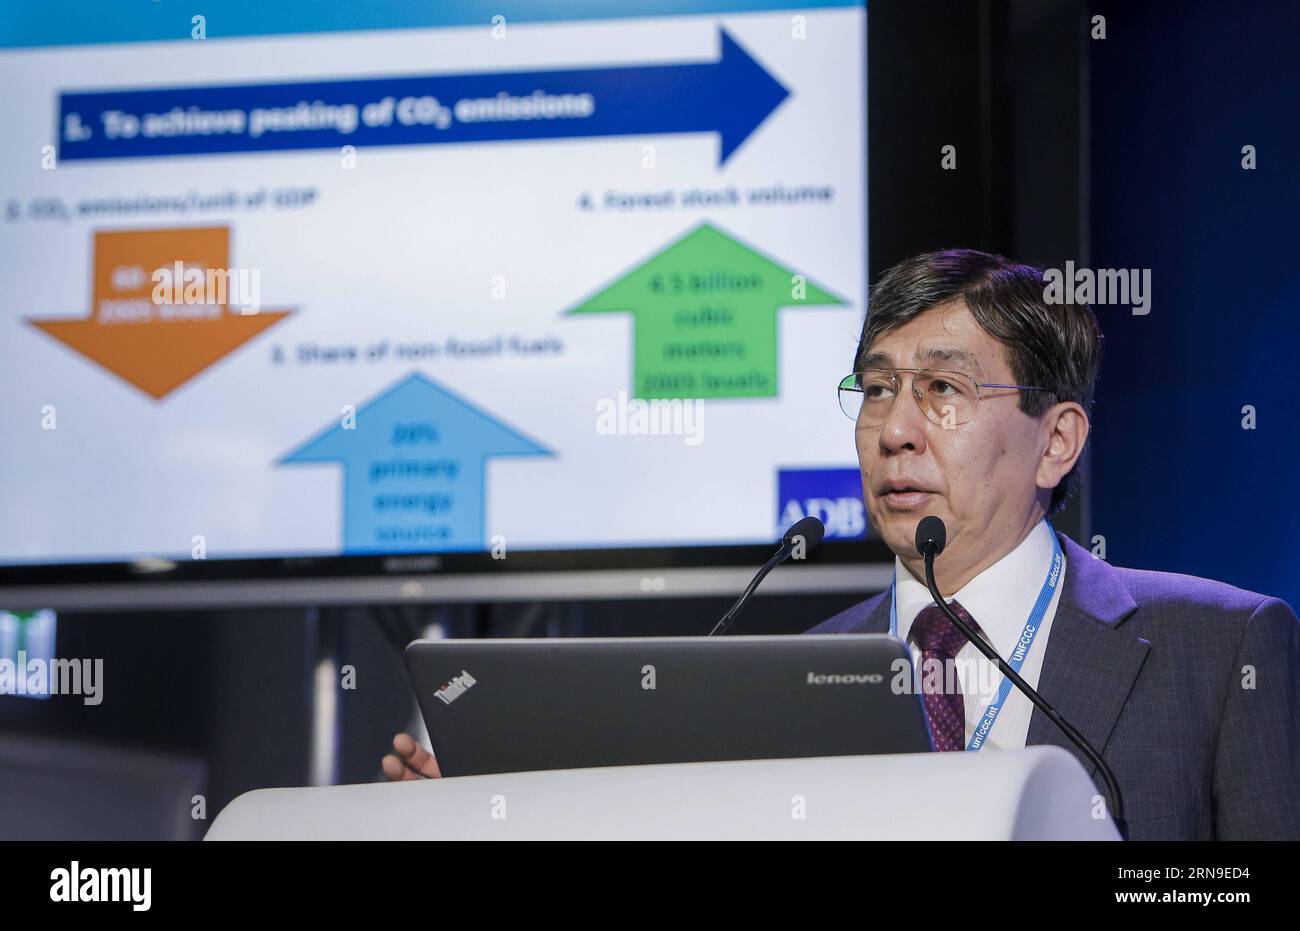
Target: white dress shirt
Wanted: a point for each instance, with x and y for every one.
(999, 599)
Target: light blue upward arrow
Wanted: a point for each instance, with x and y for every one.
(413, 468)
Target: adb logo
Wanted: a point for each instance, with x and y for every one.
(833, 495)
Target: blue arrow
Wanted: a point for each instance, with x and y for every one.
(730, 96)
(413, 468)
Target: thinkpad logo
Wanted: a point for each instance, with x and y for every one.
(454, 689)
(863, 678)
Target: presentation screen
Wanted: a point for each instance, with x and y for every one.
(299, 281)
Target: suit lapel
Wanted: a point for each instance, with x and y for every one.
(1091, 662)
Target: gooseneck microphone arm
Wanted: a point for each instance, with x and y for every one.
(931, 536)
(768, 566)
(808, 531)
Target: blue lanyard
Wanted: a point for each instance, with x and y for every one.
(1023, 645)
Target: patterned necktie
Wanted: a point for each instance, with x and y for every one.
(939, 641)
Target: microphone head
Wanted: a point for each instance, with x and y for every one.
(810, 528)
(931, 532)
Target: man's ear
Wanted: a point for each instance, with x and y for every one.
(1065, 427)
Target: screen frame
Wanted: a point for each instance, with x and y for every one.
(524, 575)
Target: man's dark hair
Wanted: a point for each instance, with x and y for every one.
(1056, 346)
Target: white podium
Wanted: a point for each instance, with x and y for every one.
(1038, 793)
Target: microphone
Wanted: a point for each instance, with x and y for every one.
(809, 531)
(931, 538)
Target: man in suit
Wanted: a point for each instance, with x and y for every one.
(971, 398)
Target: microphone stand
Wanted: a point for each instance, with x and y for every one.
(768, 566)
(1117, 800)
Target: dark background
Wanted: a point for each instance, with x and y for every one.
(1123, 152)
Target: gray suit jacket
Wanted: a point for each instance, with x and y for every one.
(1190, 690)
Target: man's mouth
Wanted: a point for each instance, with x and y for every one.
(902, 496)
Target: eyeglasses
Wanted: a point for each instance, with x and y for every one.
(946, 398)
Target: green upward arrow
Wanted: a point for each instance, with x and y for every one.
(705, 317)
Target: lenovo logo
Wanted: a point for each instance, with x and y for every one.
(454, 689)
(820, 678)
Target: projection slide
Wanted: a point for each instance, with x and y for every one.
(285, 288)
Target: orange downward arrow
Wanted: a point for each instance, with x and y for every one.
(159, 356)
(156, 346)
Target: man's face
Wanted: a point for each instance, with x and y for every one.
(978, 477)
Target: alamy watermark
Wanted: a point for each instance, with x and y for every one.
(624, 416)
(1071, 285)
(210, 288)
(77, 883)
(40, 677)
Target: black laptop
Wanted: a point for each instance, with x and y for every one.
(499, 706)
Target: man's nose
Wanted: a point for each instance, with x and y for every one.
(904, 429)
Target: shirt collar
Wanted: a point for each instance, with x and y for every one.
(999, 599)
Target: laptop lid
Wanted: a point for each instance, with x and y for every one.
(496, 706)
